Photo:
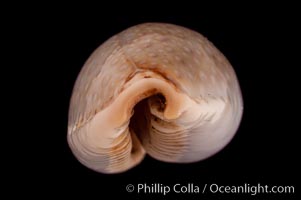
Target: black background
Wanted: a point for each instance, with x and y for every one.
(259, 45)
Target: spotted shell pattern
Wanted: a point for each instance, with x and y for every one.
(156, 89)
